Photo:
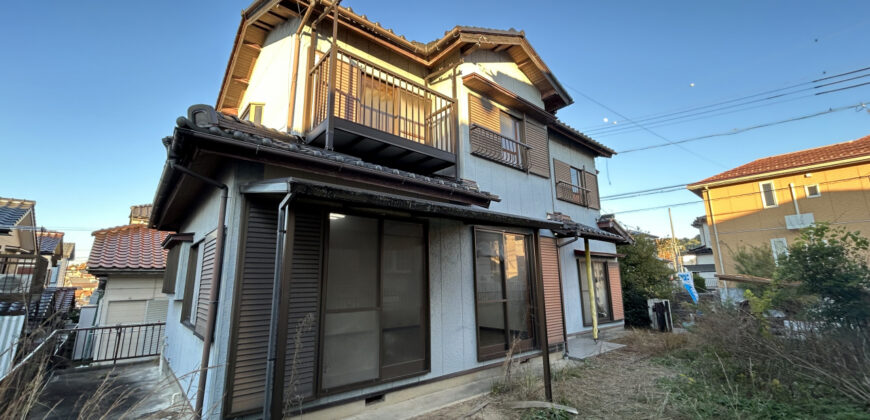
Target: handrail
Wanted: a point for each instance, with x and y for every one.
(393, 74)
(576, 194)
(496, 147)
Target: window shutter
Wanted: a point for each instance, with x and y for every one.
(206, 280)
(615, 290)
(304, 301)
(552, 289)
(155, 310)
(483, 113)
(539, 155)
(591, 181)
(170, 273)
(562, 171)
(250, 331)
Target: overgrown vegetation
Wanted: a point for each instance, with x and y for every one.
(644, 276)
(754, 261)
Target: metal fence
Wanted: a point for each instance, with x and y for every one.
(494, 146)
(120, 342)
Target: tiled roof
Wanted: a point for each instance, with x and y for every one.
(48, 241)
(12, 210)
(130, 247)
(834, 152)
(588, 141)
(140, 212)
(265, 137)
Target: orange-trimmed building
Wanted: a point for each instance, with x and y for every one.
(767, 201)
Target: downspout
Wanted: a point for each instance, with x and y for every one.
(208, 337)
(797, 209)
(276, 303)
(715, 230)
(591, 284)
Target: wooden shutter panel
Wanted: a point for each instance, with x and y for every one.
(250, 335)
(539, 155)
(552, 289)
(592, 184)
(483, 113)
(615, 290)
(562, 171)
(170, 273)
(304, 300)
(206, 280)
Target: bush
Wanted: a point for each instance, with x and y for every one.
(635, 307)
(754, 261)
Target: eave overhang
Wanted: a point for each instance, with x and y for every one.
(340, 195)
(263, 16)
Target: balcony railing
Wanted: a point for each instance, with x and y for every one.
(369, 95)
(494, 146)
(120, 342)
(573, 193)
(22, 275)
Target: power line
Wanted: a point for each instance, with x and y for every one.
(698, 155)
(679, 119)
(661, 115)
(745, 129)
(631, 194)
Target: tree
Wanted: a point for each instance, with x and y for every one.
(642, 269)
(643, 276)
(830, 264)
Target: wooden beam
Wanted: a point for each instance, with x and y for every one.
(252, 45)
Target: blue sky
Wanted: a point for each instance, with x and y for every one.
(91, 87)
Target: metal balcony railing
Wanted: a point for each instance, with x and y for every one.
(372, 96)
(572, 193)
(494, 146)
(120, 342)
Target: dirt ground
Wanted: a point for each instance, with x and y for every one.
(616, 385)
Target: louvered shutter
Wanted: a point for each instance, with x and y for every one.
(304, 301)
(250, 335)
(155, 310)
(206, 280)
(483, 113)
(552, 289)
(539, 154)
(591, 181)
(615, 290)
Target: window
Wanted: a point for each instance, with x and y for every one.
(779, 248)
(511, 132)
(768, 194)
(171, 271)
(813, 191)
(601, 283)
(189, 282)
(254, 112)
(376, 313)
(503, 293)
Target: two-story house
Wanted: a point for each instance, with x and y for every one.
(364, 218)
(765, 203)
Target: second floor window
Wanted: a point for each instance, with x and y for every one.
(576, 180)
(254, 113)
(768, 194)
(510, 129)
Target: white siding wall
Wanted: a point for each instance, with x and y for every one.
(184, 350)
(125, 297)
(270, 79)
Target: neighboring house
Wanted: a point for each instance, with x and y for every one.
(51, 247)
(85, 283)
(767, 201)
(128, 262)
(699, 260)
(17, 226)
(399, 221)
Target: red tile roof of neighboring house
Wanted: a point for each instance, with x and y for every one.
(834, 152)
(130, 247)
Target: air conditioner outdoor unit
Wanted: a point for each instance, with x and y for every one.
(660, 314)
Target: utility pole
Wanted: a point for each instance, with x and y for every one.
(674, 243)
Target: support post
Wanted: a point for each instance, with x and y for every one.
(677, 262)
(297, 41)
(541, 315)
(330, 103)
(721, 267)
(591, 285)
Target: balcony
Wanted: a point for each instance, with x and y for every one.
(380, 116)
(493, 146)
(572, 193)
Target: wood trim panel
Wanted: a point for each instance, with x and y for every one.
(561, 171)
(552, 289)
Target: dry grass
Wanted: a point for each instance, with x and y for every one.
(619, 384)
